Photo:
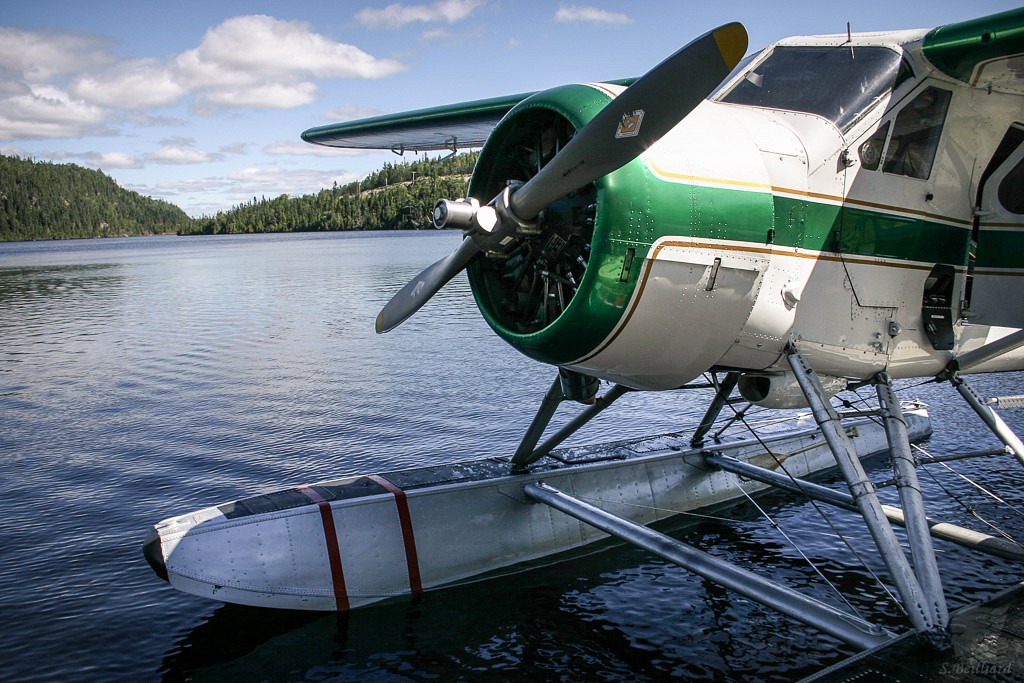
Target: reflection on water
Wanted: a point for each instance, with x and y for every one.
(145, 377)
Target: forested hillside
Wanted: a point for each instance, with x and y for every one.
(399, 196)
(43, 200)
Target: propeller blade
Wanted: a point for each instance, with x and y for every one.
(636, 119)
(410, 298)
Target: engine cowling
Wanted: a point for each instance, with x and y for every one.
(624, 278)
(562, 289)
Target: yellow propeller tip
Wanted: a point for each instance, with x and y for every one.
(732, 43)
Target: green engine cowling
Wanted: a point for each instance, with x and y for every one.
(566, 284)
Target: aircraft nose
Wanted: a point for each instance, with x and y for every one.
(154, 554)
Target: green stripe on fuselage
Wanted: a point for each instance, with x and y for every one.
(763, 219)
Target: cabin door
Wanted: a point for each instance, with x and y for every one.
(997, 269)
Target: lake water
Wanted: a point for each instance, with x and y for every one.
(146, 377)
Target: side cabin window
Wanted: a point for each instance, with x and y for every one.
(915, 135)
(840, 83)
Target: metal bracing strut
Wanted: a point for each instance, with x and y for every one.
(528, 452)
(548, 406)
(721, 398)
(846, 627)
(919, 606)
(991, 418)
(968, 538)
(904, 468)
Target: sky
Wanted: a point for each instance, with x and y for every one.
(202, 103)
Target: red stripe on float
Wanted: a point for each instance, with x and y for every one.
(411, 559)
(333, 551)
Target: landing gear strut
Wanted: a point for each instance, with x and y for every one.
(918, 585)
(568, 385)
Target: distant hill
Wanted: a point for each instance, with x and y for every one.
(397, 197)
(42, 200)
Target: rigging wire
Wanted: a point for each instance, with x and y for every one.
(778, 527)
(968, 508)
(742, 419)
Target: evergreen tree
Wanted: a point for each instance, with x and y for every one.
(397, 197)
(43, 200)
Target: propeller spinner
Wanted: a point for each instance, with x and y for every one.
(641, 115)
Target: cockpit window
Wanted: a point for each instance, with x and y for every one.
(839, 83)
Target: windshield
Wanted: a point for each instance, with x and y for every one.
(839, 83)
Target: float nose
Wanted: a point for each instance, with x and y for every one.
(154, 554)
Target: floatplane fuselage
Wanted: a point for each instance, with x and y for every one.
(832, 210)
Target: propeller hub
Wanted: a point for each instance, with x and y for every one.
(454, 214)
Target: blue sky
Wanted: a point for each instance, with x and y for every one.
(202, 103)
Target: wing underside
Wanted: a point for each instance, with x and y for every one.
(450, 127)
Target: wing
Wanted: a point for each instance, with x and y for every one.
(985, 52)
(451, 127)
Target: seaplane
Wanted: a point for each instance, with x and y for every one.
(829, 213)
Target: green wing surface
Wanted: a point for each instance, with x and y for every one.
(985, 51)
(451, 127)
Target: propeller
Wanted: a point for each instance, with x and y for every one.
(619, 133)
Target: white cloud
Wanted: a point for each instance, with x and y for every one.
(593, 15)
(277, 180)
(208, 195)
(179, 150)
(263, 96)
(41, 56)
(243, 62)
(140, 119)
(110, 160)
(399, 15)
(234, 148)
(48, 112)
(255, 49)
(91, 159)
(351, 112)
(192, 186)
(179, 156)
(300, 148)
(135, 84)
(437, 34)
